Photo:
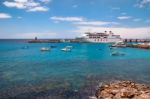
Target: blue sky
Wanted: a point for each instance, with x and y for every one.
(71, 18)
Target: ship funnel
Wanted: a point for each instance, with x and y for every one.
(110, 32)
(105, 31)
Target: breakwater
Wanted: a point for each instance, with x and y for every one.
(54, 41)
(143, 45)
(136, 40)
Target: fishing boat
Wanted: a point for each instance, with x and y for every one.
(45, 49)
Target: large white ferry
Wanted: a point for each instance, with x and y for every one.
(101, 37)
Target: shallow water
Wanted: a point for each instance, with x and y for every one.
(30, 73)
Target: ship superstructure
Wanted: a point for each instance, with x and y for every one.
(101, 37)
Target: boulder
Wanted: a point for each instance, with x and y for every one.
(123, 90)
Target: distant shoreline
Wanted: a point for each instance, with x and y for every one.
(61, 40)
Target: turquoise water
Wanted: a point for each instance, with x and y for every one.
(30, 73)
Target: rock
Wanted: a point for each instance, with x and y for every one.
(108, 98)
(114, 91)
(117, 96)
(105, 94)
(123, 90)
(126, 93)
(144, 96)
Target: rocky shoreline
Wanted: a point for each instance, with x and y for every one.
(123, 90)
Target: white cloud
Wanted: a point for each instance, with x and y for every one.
(142, 3)
(32, 4)
(29, 5)
(38, 9)
(46, 1)
(5, 16)
(137, 19)
(69, 19)
(140, 32)
(124, 17)
(14, 4)
(82, 21)
(95, 23)
(21, 0)
(92, 23)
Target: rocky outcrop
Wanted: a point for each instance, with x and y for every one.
(123, 90)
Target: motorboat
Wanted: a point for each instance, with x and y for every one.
(45, 49)
(119, 44)
(66, 49)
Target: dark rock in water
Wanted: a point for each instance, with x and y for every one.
(123, 90)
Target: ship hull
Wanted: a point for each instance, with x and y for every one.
(101, 40)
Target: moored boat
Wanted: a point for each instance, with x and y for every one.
(66, 49)
(119, 44)
(45, 49)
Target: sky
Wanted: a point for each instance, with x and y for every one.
(72, 18)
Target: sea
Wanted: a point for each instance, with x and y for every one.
(28, 73)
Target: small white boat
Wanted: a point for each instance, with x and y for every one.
(119, 44)
(45, 49)
(115, 53)
(66, 49)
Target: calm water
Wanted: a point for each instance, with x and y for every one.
(30, 73)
